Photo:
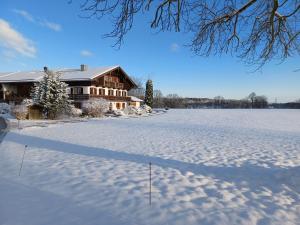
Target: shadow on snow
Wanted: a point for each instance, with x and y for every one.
(255, 177)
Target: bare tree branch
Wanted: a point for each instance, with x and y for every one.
(254, 30)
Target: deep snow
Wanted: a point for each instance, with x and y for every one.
(209, 167)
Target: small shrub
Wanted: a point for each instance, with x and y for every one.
(131, 110)
(146, 108)
(95, 107)
(75, 112)
(119, 113)
(20, 112)
(5, 108)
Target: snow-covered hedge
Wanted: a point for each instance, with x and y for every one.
(5, 108)
(95, 107)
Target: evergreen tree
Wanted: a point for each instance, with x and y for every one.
(51, 95)
(149, 93)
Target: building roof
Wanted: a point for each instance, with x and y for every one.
(135, 99)
(66, 75)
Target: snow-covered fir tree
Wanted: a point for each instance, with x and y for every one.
(149, 93)
(51, 95)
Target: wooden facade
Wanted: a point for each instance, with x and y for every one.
(112, 86)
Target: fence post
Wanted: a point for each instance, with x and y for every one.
(150, 183)
(22, 160)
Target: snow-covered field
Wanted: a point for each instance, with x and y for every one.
(209, 167)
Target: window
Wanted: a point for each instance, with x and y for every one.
(93, 91)
(124, 93)
(101, 91)
(111, 92)
(118, 105)
(123, 105)
(77, 91)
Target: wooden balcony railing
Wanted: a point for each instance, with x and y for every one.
(112, 98)
(111, 84)
(81, 97)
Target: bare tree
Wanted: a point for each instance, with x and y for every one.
(174, 101)
(252, 97)
(140, 90)
(261, 102)
(219, 101)
(158, 99)
(255, 30)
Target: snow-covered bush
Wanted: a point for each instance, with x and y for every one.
(119, 113)
(20, 111)
(27, 102)
(146, 108)
(51, 95)
(75, 112)
(4, 108)
(131, 110)
(95, 107)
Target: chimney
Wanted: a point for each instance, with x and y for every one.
(45, 68)
(83, 67)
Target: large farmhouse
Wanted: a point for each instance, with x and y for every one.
(111, 83)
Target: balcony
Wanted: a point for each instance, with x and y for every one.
(82, 97)
(112, 98)
(79, 97)
(114, 85)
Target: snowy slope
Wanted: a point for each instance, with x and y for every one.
(209, 167)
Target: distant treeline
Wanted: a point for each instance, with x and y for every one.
(175, 101)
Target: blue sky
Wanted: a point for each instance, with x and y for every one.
(36, 33)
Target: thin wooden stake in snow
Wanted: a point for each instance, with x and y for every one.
(150, 183)
(22, 160)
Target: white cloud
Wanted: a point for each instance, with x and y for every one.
(43, 23)
(24, 14)
(50, 25)
(174, 47)
(14, 41)
(86, 53)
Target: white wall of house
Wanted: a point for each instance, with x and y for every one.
(122, 104)
(135, 104)
(86, 90)
(114, 105)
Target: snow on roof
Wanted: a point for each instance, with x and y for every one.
(66, 74)
(135, 99)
